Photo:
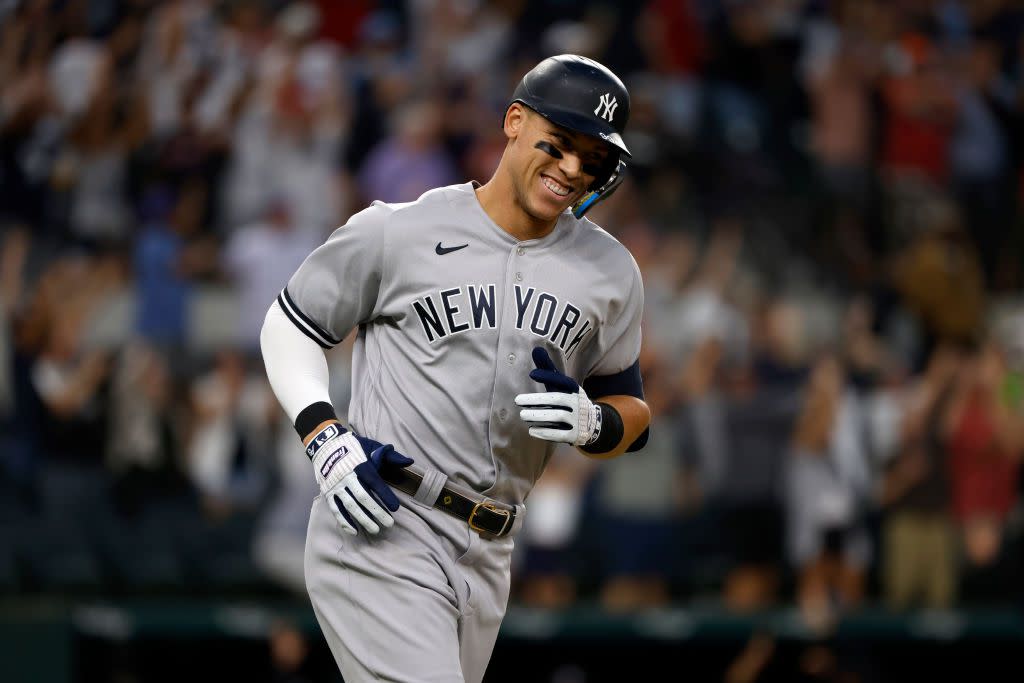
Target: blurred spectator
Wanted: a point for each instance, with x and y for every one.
(290, 657)
(289, 129)
(260, 258)
(340, 22)
(827, 484)
(701, 550)
(757, 424)
(143, 446)
(940, 278)
(920, 111)
(638, 501)
(31, 132)
(76, 72)
(13, 255)
(918, 555)
(985, 432)
(18, 413)
(869, 358)
(781, 343)
(840, 68)
(412, 159)
(70, 382)
(227, 456)
(739, 431)
(547, 568)
(384, 72)
(675, 48)
(665, 272)
(462, 38)
(171, 253)
(301, 77)
(982, 148)
(71, 377)
(94, 165)
(703, 308)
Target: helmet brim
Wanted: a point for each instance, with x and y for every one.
(581, 124)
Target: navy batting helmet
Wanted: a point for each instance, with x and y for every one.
(585, 96)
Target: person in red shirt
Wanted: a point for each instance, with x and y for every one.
(985, 439)
(919, 113)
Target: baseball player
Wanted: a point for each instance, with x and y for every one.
(493, 322)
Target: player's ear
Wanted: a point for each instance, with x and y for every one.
(515, 119)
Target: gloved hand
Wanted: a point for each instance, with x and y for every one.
(349, 478)
(564, 413)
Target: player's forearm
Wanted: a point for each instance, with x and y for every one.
(635, 416)
(296, 366)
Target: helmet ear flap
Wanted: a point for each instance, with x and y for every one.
(605, 190)
(605, 171)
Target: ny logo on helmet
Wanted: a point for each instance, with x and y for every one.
(609, 103)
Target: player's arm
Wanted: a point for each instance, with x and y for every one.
(346, 465)
(336, 288)
(600, 428)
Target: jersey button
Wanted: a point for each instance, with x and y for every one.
(502, 414)
(519, 277)
(520, 251)
(511, 358)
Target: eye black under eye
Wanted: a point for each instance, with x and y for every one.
(548, 148)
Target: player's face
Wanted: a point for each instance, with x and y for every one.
(555, 166)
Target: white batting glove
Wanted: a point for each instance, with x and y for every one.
(556, 416)
(563, 413)
(349, 479)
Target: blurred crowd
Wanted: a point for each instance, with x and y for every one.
(824, 200)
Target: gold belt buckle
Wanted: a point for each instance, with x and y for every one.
(493, 508)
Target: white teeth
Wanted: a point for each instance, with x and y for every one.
(560, 190)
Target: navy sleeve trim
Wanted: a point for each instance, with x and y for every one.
(329, 338)
(302, 321)
(302, 328)
(625, 383)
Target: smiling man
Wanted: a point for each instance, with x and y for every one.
(493, 323)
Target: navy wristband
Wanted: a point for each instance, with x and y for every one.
(312, 416)
(612, 431)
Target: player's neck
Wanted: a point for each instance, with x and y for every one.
(509, 215)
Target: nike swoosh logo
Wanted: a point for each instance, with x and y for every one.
(441, 251)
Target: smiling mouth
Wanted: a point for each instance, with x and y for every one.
(556, 187)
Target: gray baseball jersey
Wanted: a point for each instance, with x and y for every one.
(449, 307)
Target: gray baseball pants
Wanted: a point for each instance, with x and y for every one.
(421, 602)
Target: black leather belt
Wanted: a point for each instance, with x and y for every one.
(486, 517)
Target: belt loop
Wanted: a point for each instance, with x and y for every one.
(430, 487)
(517, 523)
